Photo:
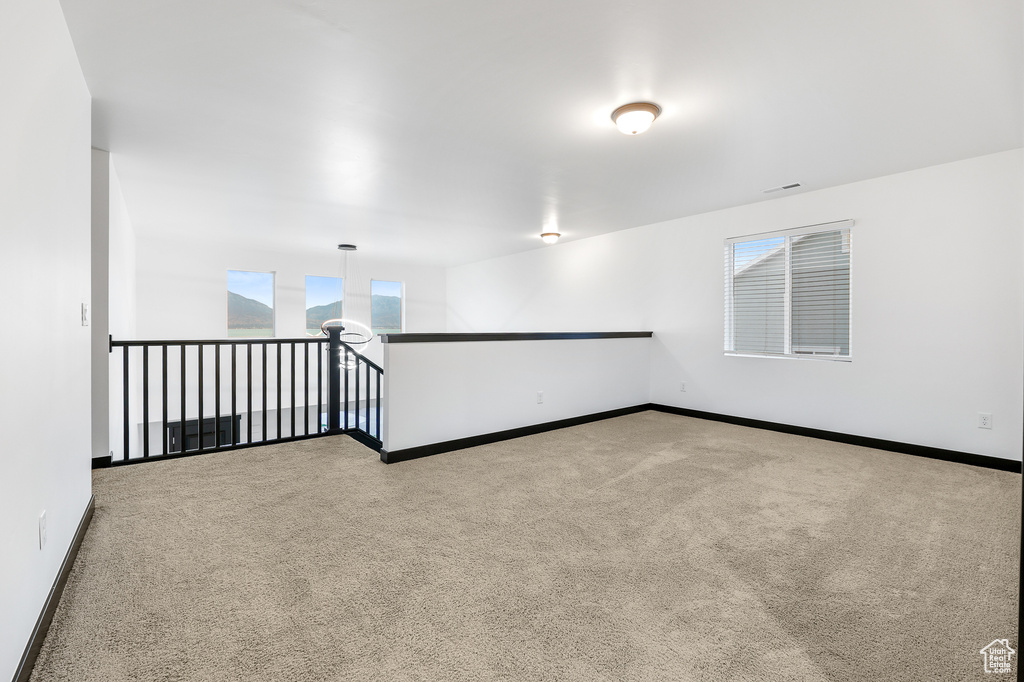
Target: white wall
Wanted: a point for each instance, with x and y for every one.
(113, 292)
(122, 267)
(44, 350)
(100, 323)
(437, 392)
(596, 284)
(938, 307)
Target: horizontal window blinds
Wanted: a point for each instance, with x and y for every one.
(759, 296)
(788, 293)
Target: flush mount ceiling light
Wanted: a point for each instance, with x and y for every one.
(550, 237)
(635, 118)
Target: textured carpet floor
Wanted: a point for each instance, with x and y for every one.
(647, 547)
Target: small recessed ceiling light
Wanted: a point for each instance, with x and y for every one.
(347, 247)
(550, 237)
(635, 118)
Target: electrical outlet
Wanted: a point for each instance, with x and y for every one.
(682, 386)
(984, 420)
(42, 529)
(540, 397)
(85, 314)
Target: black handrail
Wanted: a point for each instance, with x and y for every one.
(462, 337)
(222, 429)
(363, 359)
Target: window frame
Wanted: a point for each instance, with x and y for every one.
(788, 235)
(273, 305)
(305, 284)
(401, 306)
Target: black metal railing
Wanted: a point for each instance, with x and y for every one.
(205, 392)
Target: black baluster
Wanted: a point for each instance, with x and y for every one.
(279, 390)
(124, 393)
(264, 345)
(145, 401)
(305, 388)
(216, 398)
(199, 402)
(234, 392)
(319, 383)
(181, 434)
(248, 392)
(292, 432)
(163, 349)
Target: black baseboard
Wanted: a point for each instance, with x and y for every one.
(972, 459)
(368, 441)
(484, 439)
(101, 462)
(35, 642)
(865, 441)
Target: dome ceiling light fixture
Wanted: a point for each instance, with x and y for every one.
(550, 237)
(635, 118)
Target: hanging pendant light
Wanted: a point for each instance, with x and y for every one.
(353, 333)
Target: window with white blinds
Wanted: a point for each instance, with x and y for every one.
(787, 293)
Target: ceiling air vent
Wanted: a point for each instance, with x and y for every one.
(792, 185)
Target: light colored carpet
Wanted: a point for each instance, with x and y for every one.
(646, 547)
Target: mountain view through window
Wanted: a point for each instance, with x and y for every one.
(250, 304)
(324, 297)
(386, 307)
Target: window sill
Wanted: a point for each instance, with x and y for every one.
(827, 358)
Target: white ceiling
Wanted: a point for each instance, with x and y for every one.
(449, 131)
